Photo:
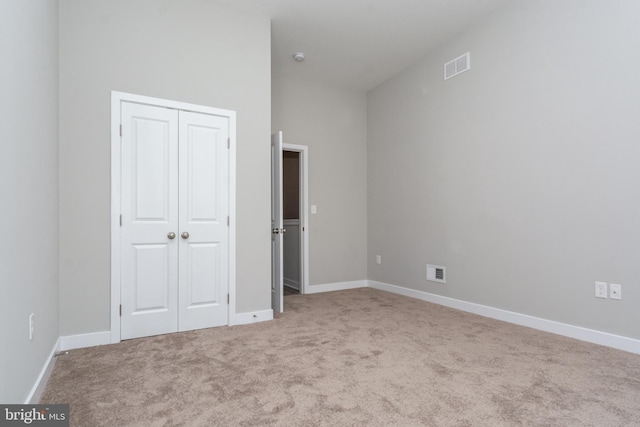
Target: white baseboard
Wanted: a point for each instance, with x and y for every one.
(589, 335)
(41, 382)
(252, 317)
(340, 286)
(291, 283)
(71, 342)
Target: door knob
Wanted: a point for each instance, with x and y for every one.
(275, 230)
(171, 235)
(185, 235)
(284, 230)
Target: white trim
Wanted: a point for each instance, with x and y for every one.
(72, 342)
(116, 177)
(252, 317)
(293, 284)
(589, 335)
(304, 212)
(41, 382)
(232, 216)
(340, 286)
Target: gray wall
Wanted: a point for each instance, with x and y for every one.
(331, 121)
(521, 175)
(29, 180)
(187, 50)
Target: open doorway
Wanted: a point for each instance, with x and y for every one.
(292, 264)
(294, 201)
(298, 251)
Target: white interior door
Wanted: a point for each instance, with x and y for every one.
(204, 208)
(277, 229)
(175, 229)
(149, 253)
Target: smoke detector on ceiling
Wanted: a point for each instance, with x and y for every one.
(298, 56)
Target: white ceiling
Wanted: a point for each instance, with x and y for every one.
(359, 43)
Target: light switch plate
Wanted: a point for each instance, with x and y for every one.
(601, 289)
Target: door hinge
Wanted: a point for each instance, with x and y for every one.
(228, 221)
(228, 142)
(120, 220)
(228, 299)
(120, 130)
(120, 310)
(302, 228)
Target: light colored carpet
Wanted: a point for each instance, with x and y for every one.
(290, 291)
(358, 357)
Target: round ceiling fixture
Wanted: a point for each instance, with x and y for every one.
(298, 56)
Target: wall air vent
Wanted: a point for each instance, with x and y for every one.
(457, 66)
(436, 273)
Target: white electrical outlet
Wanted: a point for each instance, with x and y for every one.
(314, 209)
(615, 291)
(31, 326)
(378, 259)
(601, 289)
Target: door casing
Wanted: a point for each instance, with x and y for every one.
(116, 184)
(303, 150)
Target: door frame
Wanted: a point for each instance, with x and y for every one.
(277, 230)
(117, 98)
(303, 150)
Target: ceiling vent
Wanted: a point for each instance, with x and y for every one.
(436, 273)
(457, 66)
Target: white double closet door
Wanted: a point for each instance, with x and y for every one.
(174, 232)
